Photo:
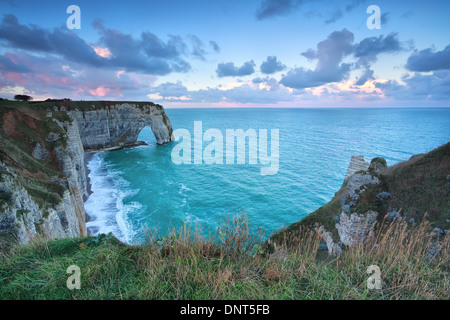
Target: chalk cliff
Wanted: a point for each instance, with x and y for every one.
(118, 125)
(42, 173)
(373, 193)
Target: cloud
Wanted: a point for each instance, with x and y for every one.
(329, 68)
(12, 3)
(429, 60)
(198, 48)
(58, 41)
(266, 92)
(407, 14)
(366, 76)
(419, 87)
(271, 65)
(337, 14)
(385, 17)
(154, 47)
(147, 54)
(170, 89)
(369, 48)
(214, 46)
(330, 53)
(8, 63)
(260, 80)
(354, 4)
(55, 77)
(273, 8)
(23, 37)
(230, 70)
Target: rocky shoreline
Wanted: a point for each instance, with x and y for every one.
(45, 148)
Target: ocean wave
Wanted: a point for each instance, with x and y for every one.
(106, 207)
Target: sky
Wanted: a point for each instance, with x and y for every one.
(233, 53)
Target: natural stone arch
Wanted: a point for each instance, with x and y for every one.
(118, 125)
(143, 136)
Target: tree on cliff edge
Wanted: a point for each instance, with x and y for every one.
(22, 97)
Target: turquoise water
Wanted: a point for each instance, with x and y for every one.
(140, 189)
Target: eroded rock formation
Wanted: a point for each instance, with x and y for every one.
(42, 172)
(119, 125)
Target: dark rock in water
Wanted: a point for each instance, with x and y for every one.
(394, 215)
(346, 208)
(384, 195)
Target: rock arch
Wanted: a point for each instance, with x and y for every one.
(118, 125)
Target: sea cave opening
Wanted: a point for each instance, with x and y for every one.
(147, 136)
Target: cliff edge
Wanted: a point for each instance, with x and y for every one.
(373, 193)
(42, 172)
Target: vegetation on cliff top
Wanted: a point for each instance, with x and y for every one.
(184, 265)
(21, 131)
(417, 186)
(68, 104)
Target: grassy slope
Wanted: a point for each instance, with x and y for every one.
(188, 267)
(21, 129)
(418, 185)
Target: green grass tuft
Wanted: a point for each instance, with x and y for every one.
(184, 265)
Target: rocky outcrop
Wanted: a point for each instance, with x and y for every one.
(355, 228)
(357, 163)
(358, 182)
(333, 248)
(118, 125)
(374, 194)
(50, 205)
(42, 173)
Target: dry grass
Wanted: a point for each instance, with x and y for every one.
(231, 265)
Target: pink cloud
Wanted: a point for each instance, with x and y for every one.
(15, 77)
(102, 52)
(102, 91)
(12, 57)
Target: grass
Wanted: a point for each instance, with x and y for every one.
(184, 265)
(418, 185)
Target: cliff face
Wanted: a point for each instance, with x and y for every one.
(372, 193)
(42, 172)
(119, 125)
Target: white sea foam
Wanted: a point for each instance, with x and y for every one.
(105, 206)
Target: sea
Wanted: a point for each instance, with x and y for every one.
(141, 191)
